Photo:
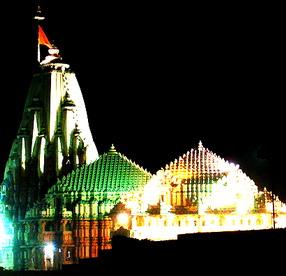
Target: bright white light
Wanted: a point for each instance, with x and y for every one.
(49, 250)
(5, 236)
(153, 190)
(122, 219)
(2, 233)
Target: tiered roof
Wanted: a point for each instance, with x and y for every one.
(198, 166)
(112, 172)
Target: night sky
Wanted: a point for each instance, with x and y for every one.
(156, 79)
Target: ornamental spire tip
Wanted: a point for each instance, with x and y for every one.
(200, 146)
(39, 15)
(112, 149)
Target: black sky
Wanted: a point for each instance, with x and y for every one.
(157, 78)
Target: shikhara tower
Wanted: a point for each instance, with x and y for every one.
(53, 138)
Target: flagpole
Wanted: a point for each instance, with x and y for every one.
(38, 17)
(39, 53)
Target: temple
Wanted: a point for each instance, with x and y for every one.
(62, 202)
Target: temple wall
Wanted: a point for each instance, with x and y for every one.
(167, 227)
(65, 243)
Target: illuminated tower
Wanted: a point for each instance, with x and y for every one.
(53, 138)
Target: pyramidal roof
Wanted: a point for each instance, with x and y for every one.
(112, 172)
(199, 165)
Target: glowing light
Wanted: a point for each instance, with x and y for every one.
(49, 249)
(6, 242)
(201, 192)
(123, 219)
(153, 190)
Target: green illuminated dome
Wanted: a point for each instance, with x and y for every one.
(112, 172)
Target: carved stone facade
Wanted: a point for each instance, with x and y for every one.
(81, 212)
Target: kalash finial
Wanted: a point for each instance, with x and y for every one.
(53, 55)
(112, 149)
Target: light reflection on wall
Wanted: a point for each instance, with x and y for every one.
(201, 192)
(6, 242)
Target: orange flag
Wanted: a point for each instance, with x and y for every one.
(42, 38)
